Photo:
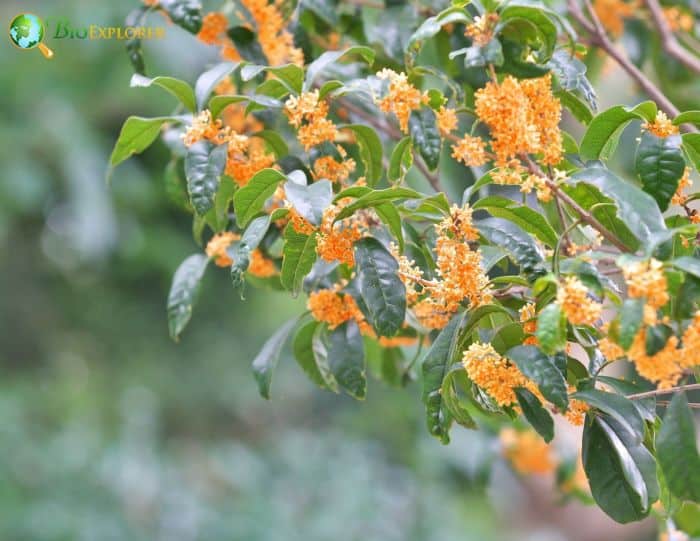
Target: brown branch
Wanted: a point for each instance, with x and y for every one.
(600, 38)
(693, 405)
(656, 392)
(668, 40)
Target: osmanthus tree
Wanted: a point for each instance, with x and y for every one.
(292, 156)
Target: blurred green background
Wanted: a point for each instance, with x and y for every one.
(108, 430)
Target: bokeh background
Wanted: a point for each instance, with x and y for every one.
(110, 431)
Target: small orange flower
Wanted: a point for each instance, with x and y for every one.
(646, 279)
(679, 198)
(576, 303)
(527, 452)
(446, 120)
(662, 126)
(261, 266)
(402, 97)
(471, 151)
(481, 30)
(214, 26)
(528, 317)
(217, 245)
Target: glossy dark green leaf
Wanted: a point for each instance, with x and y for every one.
(370, 151)
(551, 329)
(530, 220)
(618, 482)
(432, 25)
(617, 407)
(346, 358)
(571, 76)
(310, 201)
(319, 65)
(183, 293)
(266, 361)
(608, 125)
(249, 200)
(645, 406)
(660, 164)
(436, 363)
(454, 403)
(133, 47)
(536, 17)
(636, 209)
(401, 160)
(677, 451)
(304, 353)
(521, 248)
(247, 44)
(136, 135)
(204, 165)
(540, 368)
(299, 255)
(390, 216)
(375, 198)
(208, 80)
(422, 125)
(575, 106)
(688, 264)
(478, 56)
(254, 233)
(631, 315)
(534, 412)
(186, 14)
(381, 288)
(691, 146)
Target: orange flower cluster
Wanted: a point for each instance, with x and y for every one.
(678, 20)
(679, 198)
(496, 375)
(402, 97)
(575, 302)
(613, 12)
(259, 266)
(662, 126)
(446, 120)
(299, 223)
(308, 114)
(336, 239)
(646, 279)
(537, 183)
(334, 308)
(397, 341)
(523, 117)
(528, 317)
(662, 367)
(276, 42)
(246, 155)
(527, 452)
(336, 171)
(481, 30)
(471, 151)
(576, 414)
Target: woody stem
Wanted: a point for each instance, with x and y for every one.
(656, 392)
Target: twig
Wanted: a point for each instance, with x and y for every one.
(694, 405)
(668, 39)
(600, 38)
(656, 392)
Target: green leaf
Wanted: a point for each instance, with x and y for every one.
(536, 415)
(478, 56)
(183, 293)
(645, 406)
(436, 363)
(370, 151)
(299, 255)
(576, 107)
(521, 248)
(423, 128)
(608, 125)
(208, 80)
(432, 25)
(619, 408)
(530, 220)
(319, 65)
(536, 17)
(381, 289)
(304, 353)
(636, 209)
(401, 160)
(247, 44)
(375, 198)
(204, 165)
(551, 329)
(310, 201)
(180, 89)
(660, 164)
(222, 202)
(631, 316)
(254, 233)
(136, 135)
(691, 146)
(540, 368)
(249, 200)
(676, 448)
(688, 117)
(617, 478)
(346, 358)
(571, 75)
(390, 216)
(291, 75)
(266, 361)
(454, 404)
(688, 264)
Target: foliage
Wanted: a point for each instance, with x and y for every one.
(549, 268)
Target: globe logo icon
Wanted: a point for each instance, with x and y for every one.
(27, 32)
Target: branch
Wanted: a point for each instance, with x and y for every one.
(656, 392)
(668, 39)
